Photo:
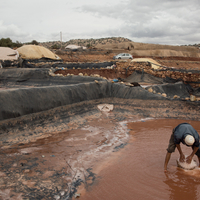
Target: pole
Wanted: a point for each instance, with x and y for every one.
(61, 39)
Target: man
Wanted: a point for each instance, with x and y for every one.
(186, 134)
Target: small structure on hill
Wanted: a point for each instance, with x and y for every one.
(152, 62)
(74, 47)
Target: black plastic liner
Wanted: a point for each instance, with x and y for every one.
(34, 90)
(59, 64)
(84, 65)
(138, 76)
(179, 89)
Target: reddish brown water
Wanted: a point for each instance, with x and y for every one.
(137, 172)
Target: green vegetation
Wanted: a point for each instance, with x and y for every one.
(34, 42)
(55, 46)
(7, 42)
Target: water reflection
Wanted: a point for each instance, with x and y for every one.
(182, 186)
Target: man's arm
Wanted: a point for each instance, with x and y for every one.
(167, 158)
(189, 158)
(182, 157)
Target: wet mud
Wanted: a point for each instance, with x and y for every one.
(137, 171)
(53, 166)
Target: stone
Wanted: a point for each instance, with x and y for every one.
(176, 97)
(150, 90)
(164, 95)
(192, 98)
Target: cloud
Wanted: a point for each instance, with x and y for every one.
(11, 31)
(155, 21)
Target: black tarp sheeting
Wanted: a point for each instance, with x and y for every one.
(37, 77)
(84, 65)
(25, 91)
(18, 102)
(33, 90)
(179, 89)
(32, 64)
(140, 76)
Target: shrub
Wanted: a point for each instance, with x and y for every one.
(6, 42)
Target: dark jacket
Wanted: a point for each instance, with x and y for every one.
(182, 130)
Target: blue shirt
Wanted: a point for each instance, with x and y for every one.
(184, 129)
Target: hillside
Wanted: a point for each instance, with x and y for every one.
(88, 42)
(119, 44)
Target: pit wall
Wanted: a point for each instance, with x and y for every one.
(188, 76)
(19, 102)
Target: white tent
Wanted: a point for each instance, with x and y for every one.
(74, 47)
(154, 64)
(7, 53)
(36, 52)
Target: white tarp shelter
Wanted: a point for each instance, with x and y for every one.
(154, 64)
(36, 52)
(7, 53)
(74, 47)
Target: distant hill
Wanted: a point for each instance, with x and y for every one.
(87, 42)
(120, 44)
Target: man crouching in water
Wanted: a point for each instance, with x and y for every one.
(186, 134)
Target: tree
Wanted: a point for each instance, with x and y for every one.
(34, 42)
(6, 42)
(55, 46)
(17, 44)
(88, 45)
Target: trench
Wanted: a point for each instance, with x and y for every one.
(99, 155)
(55, 143)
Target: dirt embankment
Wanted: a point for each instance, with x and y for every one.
(106, 56)
(177, 68)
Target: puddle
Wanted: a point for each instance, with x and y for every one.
(105, 159)
(137, 171)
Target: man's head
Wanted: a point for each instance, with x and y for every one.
(189, 140)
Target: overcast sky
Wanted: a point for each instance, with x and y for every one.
(174, 22)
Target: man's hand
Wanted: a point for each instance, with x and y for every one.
(182, 158)
(189, 159)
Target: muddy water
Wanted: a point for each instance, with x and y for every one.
(137, 172)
